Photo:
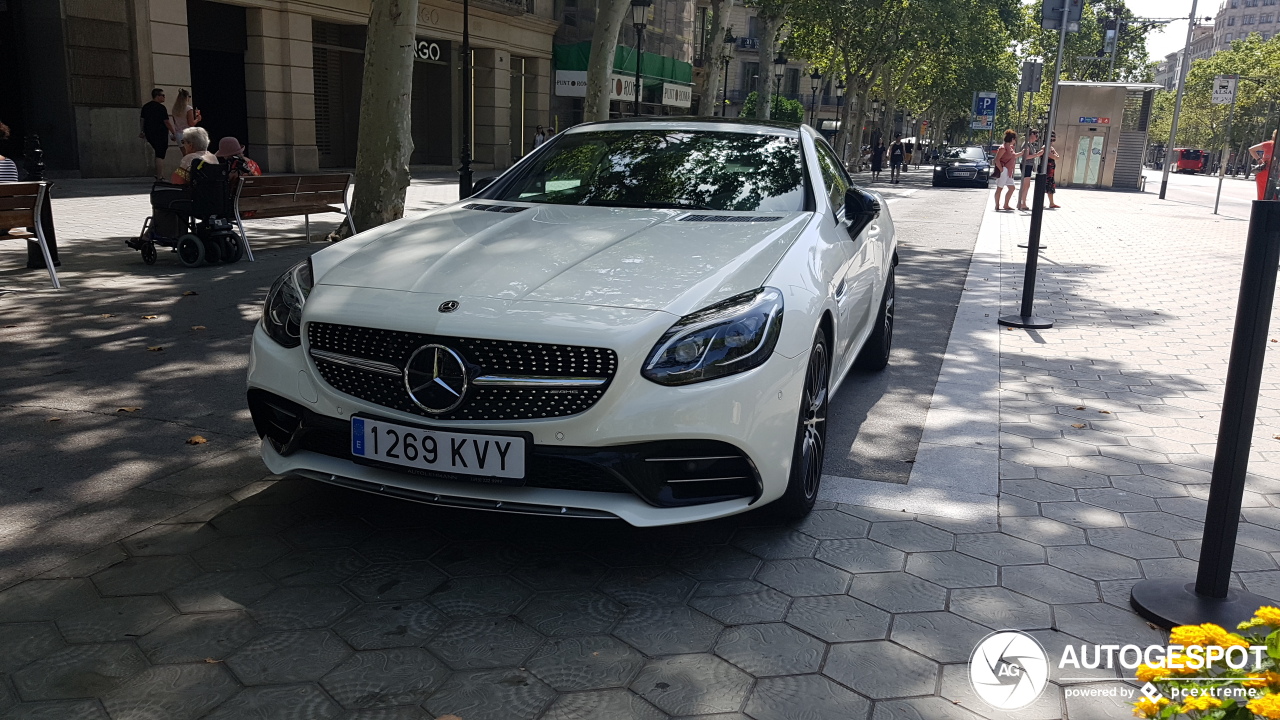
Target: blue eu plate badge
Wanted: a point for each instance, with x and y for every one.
(357, 436)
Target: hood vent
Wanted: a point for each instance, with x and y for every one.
(494, 208)
(731, 218)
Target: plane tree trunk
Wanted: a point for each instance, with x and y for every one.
(604, 43)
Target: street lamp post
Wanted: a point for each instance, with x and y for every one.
(729, 41)
(815, 79)
(1177, 100)
(639, 17)
(779, 67)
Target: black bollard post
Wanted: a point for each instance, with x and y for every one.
(35, 172)
(1170, 602)
(1025, 318)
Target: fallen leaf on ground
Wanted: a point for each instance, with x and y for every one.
(128, 409)
(1077, 425)
(211, 660)
(198, 327)
(1079, 407)
(449, 717)
(6, 327)
(196, 440)
(191, 292)
(150, 317)
(107, 315)
(155, 348)
(53, 420)
(1105, 412)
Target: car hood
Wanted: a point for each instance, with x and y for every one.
(951, 162)
(651, 259)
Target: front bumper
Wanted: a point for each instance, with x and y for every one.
(596, 460)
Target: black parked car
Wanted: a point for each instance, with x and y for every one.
(962, 165)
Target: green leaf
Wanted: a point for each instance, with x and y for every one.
(1273, 645)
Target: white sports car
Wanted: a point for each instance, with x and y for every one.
(642, 319)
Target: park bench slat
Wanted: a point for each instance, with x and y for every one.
(273, 196)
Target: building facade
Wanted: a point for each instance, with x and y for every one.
(1237, 19)
(283, 77)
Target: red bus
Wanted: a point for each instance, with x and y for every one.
(1187, 160)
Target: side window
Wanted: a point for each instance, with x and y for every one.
(833, 175)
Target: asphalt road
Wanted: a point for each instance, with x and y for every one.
(1237, 193)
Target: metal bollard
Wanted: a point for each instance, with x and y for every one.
(35, 172)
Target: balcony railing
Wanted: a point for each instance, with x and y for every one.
(822, 101)
(748, 43)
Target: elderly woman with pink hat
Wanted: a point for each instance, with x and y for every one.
(231, 152)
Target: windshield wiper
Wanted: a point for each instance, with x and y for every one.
(653, 204)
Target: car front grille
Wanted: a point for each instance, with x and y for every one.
(373, 354)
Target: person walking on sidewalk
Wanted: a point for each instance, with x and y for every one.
(183, 115)
(1004, 163)
(877, 159)
(1030, 151)
(1052, 185)
(156, 128)
(896, 156)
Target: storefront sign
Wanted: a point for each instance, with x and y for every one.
(571, 83)
(425, 49)
(1095, 121)
(677, 95)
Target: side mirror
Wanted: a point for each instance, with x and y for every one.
(860, 208)
(481, 184)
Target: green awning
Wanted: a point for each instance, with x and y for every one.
(654, 68)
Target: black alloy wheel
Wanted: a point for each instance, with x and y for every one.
(875, 352)
(811, 436)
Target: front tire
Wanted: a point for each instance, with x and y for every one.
(875, 352)
(811, 436)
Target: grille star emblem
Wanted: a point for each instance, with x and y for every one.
(436, 378)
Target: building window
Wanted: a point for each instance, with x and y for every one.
(753, 27)
(1268, 2)
(1265, 18)
(1251, 3)
(1231, 21)
(1230, 37)
(750, 76)
(1266, 36)
(1248, 20)
(700, 31)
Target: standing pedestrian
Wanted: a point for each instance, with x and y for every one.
(156, 128)
(877, 158)
(909, 148)
(1030, 151)
(539, 136)
(183, 114)
(1004, 163)
(1052, 185)
(896, 155)
(1262, 152)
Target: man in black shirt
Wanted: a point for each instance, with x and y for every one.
(156, 128)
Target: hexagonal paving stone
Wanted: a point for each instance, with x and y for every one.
(712, 562)
(1082, 515)
(316, 567)
(945, 637)
(804, 576)
(771, 649)
(491, 695)
(1048, 584)
(952, 569)
(911, 536)
(929, 708)
(653, 585)
(1245, 559)
(1000, 608)
(288, 657)
(667, 630)
(559, 571)
(25, 642)
(577, 612)
(395, 581)
(881, 669)
(779, 698)
(241, 552)
(111, 619)
(692, 685)
(1077, 477)
(59, 710)
(586, 663)
(278, 702)
(1042, 531)
(330, 531)
(484, 643)
(382, 678)
(1132, 543)
(1148, 486)
(1092, 562)
(1105, 624)
(79, 671)
(232, 590)
(300, 608)
(173, 692)
(775, 543)
(838, 618)
(740, 602)
(1171, 527)
(36, 600)
(861, 556)
(145, 575)
(196, 638)
(256, 520)
(387, 625)
(1037, 490)
(898, 592)
(478, 596)
(612, 704)
(177, 539)
(1000, 549)
(465, 559)
(833, 525)
(400, 545)
(1118, 500)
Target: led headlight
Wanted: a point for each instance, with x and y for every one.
(937, 168)
(282, 313)
(729, 337)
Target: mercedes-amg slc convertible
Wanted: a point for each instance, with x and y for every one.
(642, 320)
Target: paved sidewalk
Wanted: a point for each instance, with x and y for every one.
(290, 599)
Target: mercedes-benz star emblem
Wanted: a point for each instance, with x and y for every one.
(436, 378)
(448, 306)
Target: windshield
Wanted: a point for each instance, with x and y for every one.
(1190, 154)
(666, 168)
(966, 153)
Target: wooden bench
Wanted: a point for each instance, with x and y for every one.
(272, 196)
(20, 205)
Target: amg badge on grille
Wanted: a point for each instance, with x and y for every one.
(448, 306)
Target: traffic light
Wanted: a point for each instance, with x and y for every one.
(1109, 39)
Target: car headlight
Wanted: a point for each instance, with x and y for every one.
(729, 337)
(937, 168)
(282, 312)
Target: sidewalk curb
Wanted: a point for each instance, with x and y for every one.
(957, 467)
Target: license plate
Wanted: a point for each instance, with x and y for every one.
(961, 174)
(498, 459)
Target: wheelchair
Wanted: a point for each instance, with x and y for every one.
(193, 220)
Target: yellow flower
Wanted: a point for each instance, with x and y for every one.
(1206, 635)
(1267, 706)
(1266, 615)
(1144, 708)
(1265, 679)
(1147, 673)
(1201, 702)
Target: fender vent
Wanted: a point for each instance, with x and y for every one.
(731, 218)
(494, 208)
